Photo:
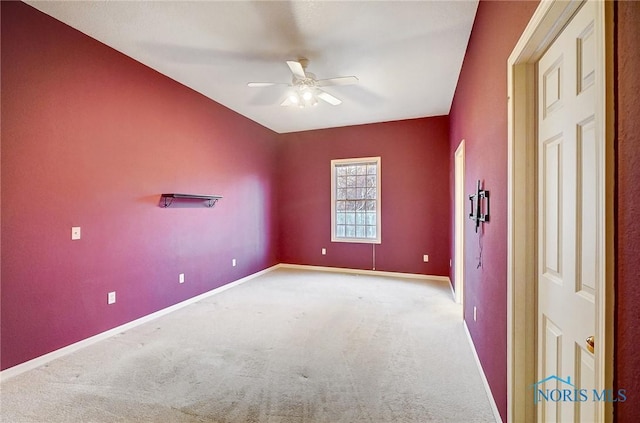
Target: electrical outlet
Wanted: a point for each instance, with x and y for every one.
(234, 262)
(425, 258)
(75, 233)
(111, 298)
(475, 314)
(181, 278)
(324, 251)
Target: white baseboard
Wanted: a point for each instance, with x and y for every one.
(453, 292)
(487, 388)
(44, 359)
(365, 272)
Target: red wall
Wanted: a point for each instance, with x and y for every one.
(92, 138)
(415, 193)
(479, 116)
(627, 353)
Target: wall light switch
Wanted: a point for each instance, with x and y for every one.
(75, 233)
(233, 262)
(324, 251)
(475, 313)
(181, 278)
(111, 298)
(425, 258)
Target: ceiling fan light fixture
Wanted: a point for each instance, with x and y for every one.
(307, 95)
(305, 87)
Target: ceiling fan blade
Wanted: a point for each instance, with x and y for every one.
(264, 84)
(325, 96)
(296, 69)
(342, 80)
(287, 102)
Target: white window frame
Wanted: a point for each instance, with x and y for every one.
(334, 164)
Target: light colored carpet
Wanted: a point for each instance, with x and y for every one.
(288, 346)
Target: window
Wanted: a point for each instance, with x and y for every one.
(355, 200)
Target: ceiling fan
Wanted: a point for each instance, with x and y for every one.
(306, 87)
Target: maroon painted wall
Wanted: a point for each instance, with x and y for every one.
(92, 138)
(627, 354)
(415, 193)
(479, 116)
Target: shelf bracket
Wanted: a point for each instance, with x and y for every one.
(167, 201)
(211, 202)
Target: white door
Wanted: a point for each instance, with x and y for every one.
(570, 219)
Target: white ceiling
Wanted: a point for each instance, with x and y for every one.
(407, 55)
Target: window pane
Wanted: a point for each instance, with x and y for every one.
(372, 169)
(341, 170)
(360, 205)
(371, 180)
(371, 219)
(361, 181)
(360, 232)
(341, 205)
(340, 231)
(350, 205)
(351, 193)
(360, 218)
(361, 169)
(350, 218)
(341, 182)
(350, 231)
(341, 218)
(370, 205)
(371, 194)
(342, 194)
(371, 231)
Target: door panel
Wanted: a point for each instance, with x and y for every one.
(552, 206)
(585, 376)
(586, 216)
(551, 87)
(586, 58)
(552, 365)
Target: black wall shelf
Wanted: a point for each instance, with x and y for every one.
(209, 200)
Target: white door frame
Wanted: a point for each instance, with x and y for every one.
(546, 23)
(459, 222)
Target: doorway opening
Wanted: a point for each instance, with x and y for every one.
(459, 223)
